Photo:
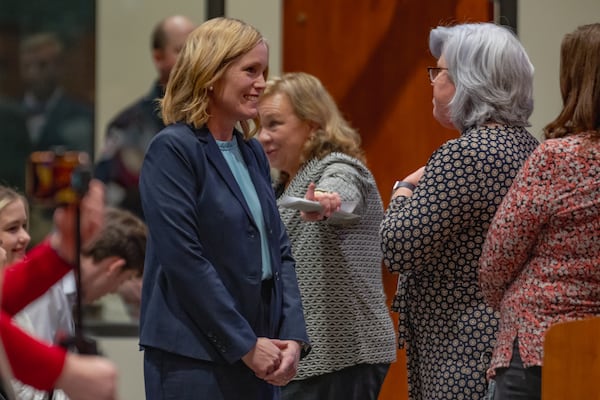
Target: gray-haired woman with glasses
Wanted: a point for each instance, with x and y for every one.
(434, 228)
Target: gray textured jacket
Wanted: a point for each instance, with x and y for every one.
(339, 268)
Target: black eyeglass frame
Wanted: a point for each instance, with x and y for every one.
(433, 72)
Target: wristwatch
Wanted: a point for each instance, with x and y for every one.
(403, 184)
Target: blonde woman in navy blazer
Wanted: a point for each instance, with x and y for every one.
(221, 313)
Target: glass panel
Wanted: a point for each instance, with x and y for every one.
(47, 75)
(47, 94)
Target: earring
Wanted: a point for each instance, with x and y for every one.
(210, 88)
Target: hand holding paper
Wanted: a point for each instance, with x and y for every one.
(308, 207)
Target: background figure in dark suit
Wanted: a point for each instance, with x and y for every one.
(53, 118)
(129, 133)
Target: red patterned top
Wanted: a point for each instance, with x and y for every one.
(541, 260)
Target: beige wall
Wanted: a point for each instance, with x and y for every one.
(266, 16)
(542, 25)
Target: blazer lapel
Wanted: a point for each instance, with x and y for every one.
(215, 157)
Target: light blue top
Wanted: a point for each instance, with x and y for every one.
(238, 167)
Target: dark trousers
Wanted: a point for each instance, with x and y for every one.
(517, 382)
(359, 382)
(169, 376)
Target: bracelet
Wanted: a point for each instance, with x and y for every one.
(403, 184)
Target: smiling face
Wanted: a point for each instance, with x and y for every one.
(443, 93)
(13, 231)
(235, 96)
(282, 133)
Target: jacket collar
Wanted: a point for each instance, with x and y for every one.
(215, 157)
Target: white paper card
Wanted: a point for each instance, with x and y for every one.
(298, 203)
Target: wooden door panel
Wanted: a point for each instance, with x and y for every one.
(372, 56)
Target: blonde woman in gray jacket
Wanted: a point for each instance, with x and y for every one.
(338, 260)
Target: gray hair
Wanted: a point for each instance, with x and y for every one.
(491, 72)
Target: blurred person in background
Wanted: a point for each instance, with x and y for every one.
(130, 131)
(54, 119)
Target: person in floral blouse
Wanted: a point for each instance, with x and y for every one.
(541, 258)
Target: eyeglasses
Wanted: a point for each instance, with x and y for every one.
(434, 72)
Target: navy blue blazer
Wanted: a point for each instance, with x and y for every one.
(202, 279)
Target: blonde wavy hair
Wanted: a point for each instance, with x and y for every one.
(208, 51)
(312, 102)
